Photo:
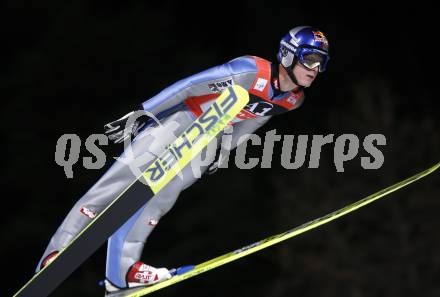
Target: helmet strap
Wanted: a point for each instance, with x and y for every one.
(292, 76)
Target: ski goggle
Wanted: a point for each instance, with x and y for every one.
(312, 58)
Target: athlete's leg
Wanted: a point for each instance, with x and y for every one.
(145, 148)
(126, 245)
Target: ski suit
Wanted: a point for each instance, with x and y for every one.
(176, 107)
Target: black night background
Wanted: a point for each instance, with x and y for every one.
(72, 66)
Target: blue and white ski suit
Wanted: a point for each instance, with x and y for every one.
(176, 106)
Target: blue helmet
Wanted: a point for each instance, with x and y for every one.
(300, 42)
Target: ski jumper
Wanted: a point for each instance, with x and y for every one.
(176, 107)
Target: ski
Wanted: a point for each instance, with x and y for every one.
(156, 176)
(191, 271)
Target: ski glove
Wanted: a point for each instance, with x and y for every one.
(219, 159)
(213, 167)
(126, 127)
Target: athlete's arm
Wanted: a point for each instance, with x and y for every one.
(199, 84)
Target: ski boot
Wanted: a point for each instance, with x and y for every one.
(139, 274)
(49, 259)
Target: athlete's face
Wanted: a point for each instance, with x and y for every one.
(304, 75)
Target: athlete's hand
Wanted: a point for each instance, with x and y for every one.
(212, 168)
(126, 127)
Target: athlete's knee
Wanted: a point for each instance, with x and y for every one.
(168, 197)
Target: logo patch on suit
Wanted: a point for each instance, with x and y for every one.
(261, 84)
(220, 86)
(291, 99)
(87, 212)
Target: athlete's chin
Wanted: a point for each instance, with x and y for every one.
(307, 82)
